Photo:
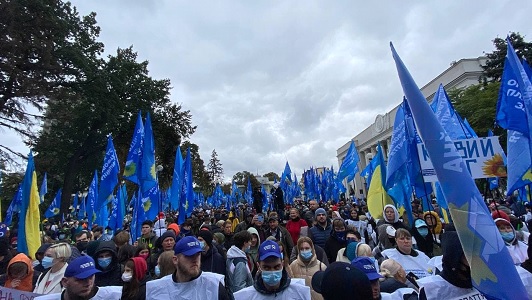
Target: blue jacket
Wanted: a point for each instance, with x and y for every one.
(319, 235)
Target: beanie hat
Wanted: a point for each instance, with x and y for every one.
(207, 236)
(320, 211)
(500, 214)
(220, 236)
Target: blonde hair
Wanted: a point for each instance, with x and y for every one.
(61, 250)
(389, 268)
(364, 250)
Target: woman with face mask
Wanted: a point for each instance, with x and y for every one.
(424, 237)
(517, 249)
(307, 264)
(54, 263)
(134, 278)
(337, 240)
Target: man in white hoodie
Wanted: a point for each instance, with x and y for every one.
(238, 271)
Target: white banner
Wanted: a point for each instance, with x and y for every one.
(483, 157)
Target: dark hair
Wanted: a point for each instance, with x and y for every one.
(87, 232)
(98, 229)
(241, 237)
(130, 289)
(140, 247)
(147, 222)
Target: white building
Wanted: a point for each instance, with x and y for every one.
(462, 73)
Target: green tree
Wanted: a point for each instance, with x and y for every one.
(42, 46)
(215, 168)
(272, 176)
(201, 177)
(495, 63)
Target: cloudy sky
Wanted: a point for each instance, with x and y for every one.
(271, 81)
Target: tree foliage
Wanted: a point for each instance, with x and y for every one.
(201, 177)
(272, 176)
(215, 168)
(495, 63)
(43, 46)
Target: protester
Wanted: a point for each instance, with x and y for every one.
(82, 240)
(278, 232)
(342, 281)
(107, 263)
(272, 281)
(55, 264)
(411, 259)
(296, 226)
(39, 255)
(188, 281)
(306, 264)
(20, 273)
(517, 249)
(147, 237)
(321, 231)
(394, 276)
(79, 283)
(237, 266)
(165, 265)
(253, 253)
(311, 212)
(211, 260)
(134, 278)
(336, 241)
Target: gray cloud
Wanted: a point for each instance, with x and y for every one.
(268, 81)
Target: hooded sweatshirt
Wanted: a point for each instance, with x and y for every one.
(517, 249)
(26, 283)
(112, 275)
(238, 272)
(253, 252)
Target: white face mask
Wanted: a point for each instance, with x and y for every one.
(127, 276)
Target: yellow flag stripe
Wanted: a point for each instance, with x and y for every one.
(33, 219)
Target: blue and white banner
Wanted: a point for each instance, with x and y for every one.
(482, 156)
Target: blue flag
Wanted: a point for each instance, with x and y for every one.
(187, 192)
(119, 208)
(131, 170)
(148, 177)
(55, 206)
(493, 181)
(175, 189)
(447, 116)
(491, 264)
(82, 208)
(91, 200)
(286, 177)
(14, 206)
(138, 215)
(470, 129)
(350, 163)
(109, 178)
(44, 187)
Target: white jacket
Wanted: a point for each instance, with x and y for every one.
(436, 286)
(202, 288)
(418, 265)
(104, 293)
(295, 291)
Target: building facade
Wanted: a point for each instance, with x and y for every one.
(460, 74)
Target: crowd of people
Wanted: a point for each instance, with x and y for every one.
(308, 250)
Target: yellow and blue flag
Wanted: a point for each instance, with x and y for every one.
(377, 196)
(29, 217)
(492, 268)
(44, 187)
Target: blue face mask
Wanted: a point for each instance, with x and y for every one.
(341, 235)
(47, 262)
(306, 254)
(157, 271)
(508, 236)
(104, 262)
(272, 278)
(423, 231)
(202, 245)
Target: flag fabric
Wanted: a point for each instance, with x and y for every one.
(109, 176)
(75, 204)
(148, 177)
(377, 196)
(187, 192)
(398, 183)
(175, 189)
(91, 200)
(367, 172)
(14, 206)
(447, 115)
(55, 206)
(470, 129)
(44, 187)
(350, 163)
(511, 115)
(286, 177)
(131, 170)
(82, 208)
(138, 215)
(118, 208)
(493, 181)
(491, 264)
(29, 217)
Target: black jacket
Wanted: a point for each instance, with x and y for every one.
(212, 261)
(112, 275)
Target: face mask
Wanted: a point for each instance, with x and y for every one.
(423, 231)
(104, 262)
(272, 278)
(202, 245)
(47, 262)
(340, 235)
(157, 271)
(508, 236)
(145, 256)
(81, 246)
(62, 236)
(110, 232)
(126, 277)
(247, 249)
(306, 254)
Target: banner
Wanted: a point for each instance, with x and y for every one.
(12, 294)
(482, 156)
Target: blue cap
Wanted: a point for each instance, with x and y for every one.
(420, 223)
(81, 267)
(366, 265)
(269, 248)
(187, 246)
